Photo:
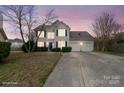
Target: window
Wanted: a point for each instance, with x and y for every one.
(50, 35)
(61, 44)
(41, 34)
(61, 32)
(40, 44)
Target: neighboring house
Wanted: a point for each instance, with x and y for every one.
(16, 44)
(3, 36)
(58, 34)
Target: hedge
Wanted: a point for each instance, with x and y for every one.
(119, 48)
(120, 41)
(41, 49)
(56, 49)
(27, 44)
(66, 49)
(4, 49)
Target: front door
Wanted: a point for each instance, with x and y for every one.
(50, 45)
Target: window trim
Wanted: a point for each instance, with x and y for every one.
(63, 35)
(43, 36)
(60, 42)
(40, 45)
(50, 35)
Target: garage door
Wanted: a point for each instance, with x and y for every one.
(75, 45)
(85, 46)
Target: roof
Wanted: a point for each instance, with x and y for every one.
(40, 27)
(3, 34)
(16, 40)
(80, 35)
(58, 21)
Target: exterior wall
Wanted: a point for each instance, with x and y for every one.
(1, 27)
(1, 38)
(82, 45)
(1, 21)
(54, 29)
(76, 45)
(16, 46)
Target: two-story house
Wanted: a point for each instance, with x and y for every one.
(55, 35)
(58, 34)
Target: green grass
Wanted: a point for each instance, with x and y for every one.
(23, 69)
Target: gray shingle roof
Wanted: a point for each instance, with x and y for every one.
(80, 35)
(40, 27)
(16, 40)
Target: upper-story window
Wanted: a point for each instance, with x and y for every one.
(62, 32)
(50, 35)
(41, 33)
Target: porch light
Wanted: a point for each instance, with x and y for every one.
(81, 43)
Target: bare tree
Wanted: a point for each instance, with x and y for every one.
(49, 18)
(16, 15)
(23, 18)
(29, 21)
(117, 32)
(104, 27)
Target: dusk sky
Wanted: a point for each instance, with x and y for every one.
(78, 17)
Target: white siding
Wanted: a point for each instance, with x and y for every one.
(1, 38)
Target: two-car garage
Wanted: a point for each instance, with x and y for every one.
(81, 41)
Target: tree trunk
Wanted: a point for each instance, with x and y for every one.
(21, 32)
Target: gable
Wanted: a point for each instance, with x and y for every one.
(60, 25)
(55, 25)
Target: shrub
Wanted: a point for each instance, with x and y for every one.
(27, 45)
(120, 41)
(4, 49)
(66, 49)
(56, 49)
(118, 48)
(41, 49)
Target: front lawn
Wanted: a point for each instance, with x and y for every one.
(23, 69)
(112, 53)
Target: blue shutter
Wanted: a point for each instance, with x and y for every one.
(45, 33)
(44, 44)
(56, 32)
(66, 43)
(66, 33)
(56, 44)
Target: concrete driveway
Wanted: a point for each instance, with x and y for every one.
(78, 69)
